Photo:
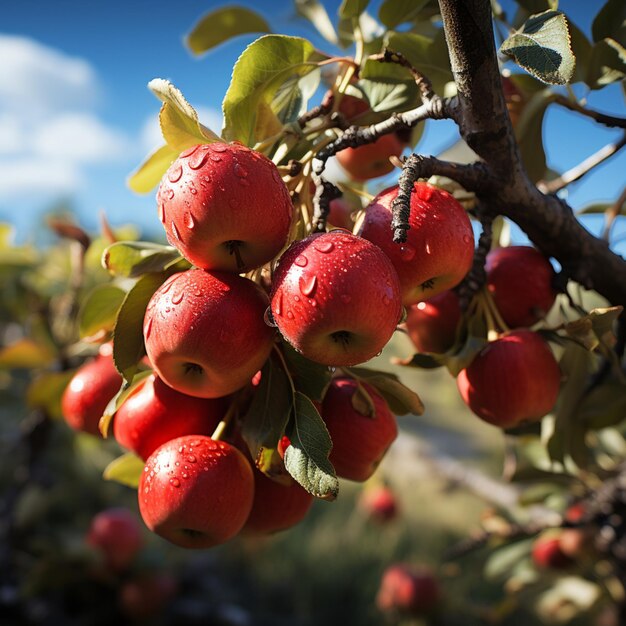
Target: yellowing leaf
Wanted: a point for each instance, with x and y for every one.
(26, 354)
(148, 175)
(126, 469)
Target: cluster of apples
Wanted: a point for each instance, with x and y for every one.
(336, 297)
(515, 378)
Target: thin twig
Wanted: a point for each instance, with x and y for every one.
(423, 82)
(576, 173)
(611, 214)
(601, 118)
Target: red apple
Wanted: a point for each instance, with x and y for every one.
(90, 390)
(432, 324)
(520, 281)
(408, 590)
(196, 492)
(379, 503)
(204, 332)
(372, 159)
(147, 596)
(336, 298)
(225, 207)
(340, 214)
(359, 441)
(155, 413)
(576, 542)
(547, 553)
(276, 507)
(117, 534)
(512, 380)
(440, 243)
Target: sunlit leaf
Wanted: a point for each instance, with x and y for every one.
(223, 24)
(99, 310)
(148, 175)
(394, 12)
(133, 258)
(126, 470)
(316, 13)
(352, 8)
(26, 354)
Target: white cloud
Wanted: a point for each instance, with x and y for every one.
(37, 176)
(11, 134)
(80, 138)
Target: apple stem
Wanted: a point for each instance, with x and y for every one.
(222, 427)
(233, 248)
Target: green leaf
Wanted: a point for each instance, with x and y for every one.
(99, 310)
(262, 68)
(401, 399)
(315, 12)
(581, 47)
(603, 406)
(610, 22)
(607, 64)
(595, 207)
(503, 560)
(306, 459)
(542, 47)
(312, 379)
(133, 258)
(266, 418)
(148, 175)
(128, 344)
(223, 24)
(126, 470)
(293, 95)
(179, 121)
(26, 354)
(45, 392)
(394, 12)
(352, 8)
(118, 399)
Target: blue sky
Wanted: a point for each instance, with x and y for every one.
(76, 116)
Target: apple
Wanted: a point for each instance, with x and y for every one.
(155, 413)
(90, 390)
(576, 542)
(196, 492)
(146, 596)
(379, 503)
(335, 298)
(520, 280)
(359, 441)
(116, 533)
(547, 553)
(512, 380)
(225, 207)
(439, 249)
(340, 214)
(276, 507)
(371, 160)
(204, 332)
(408, 590)
(432, 324)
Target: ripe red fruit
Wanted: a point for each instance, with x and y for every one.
(379, 503)
(155, 413)
(336, 298)
(547, 553)
(408, 590)
(359, 441)
(204, 332)
(90, 390)
(340, 214)
(276, 507)
(512, 380)
(225, 207)
(146, 597)
(117, 534)
(196, 492)
(520, 281)
(440, 243)
(372, 159)
(432, 324)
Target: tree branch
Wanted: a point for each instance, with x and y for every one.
(601, 118)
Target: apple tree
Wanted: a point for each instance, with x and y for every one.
(231, 363)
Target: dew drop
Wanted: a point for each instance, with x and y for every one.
(177, 298)
(189, 151)
(191, 458)
(193, 191)
(466, 238)
(162, 212)
(240, 171)
(198, 159)
(407, 252)
(185, 475)
(148, 329)
(170, 194)
(197, 293)
(345, 298)
(301, 260)
(324, 246)
(307, 285)
(175, 231)
(167, 286)
(175, 173)
(290, 315)
(190, 221)
(268, 319)
(428, 250)
(278, 304)
(218, 147)
(216, 158)
(174, 482)
(312, 302)
(296, 298)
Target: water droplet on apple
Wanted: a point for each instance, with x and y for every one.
(345, 298)
(324, 246)
(175, 173)
(290, 315)
(189, 151)
(177, 298)
(466, 238)
(174, 482)
(240, 171)
(198, 159)
(175, 231)
(185, 475)
(193, 190)
(216, 158)
(191, 458)
(218, 147)
(278, 303)
(170, 194)
(296, 298)
(190, 221)
(307, 285)
(162, 212)
(301, 260)
(312, 302)
(427, 248)
(268, 318)
(167, 286)
(407, 252)
(197, 293)
(148, 329)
